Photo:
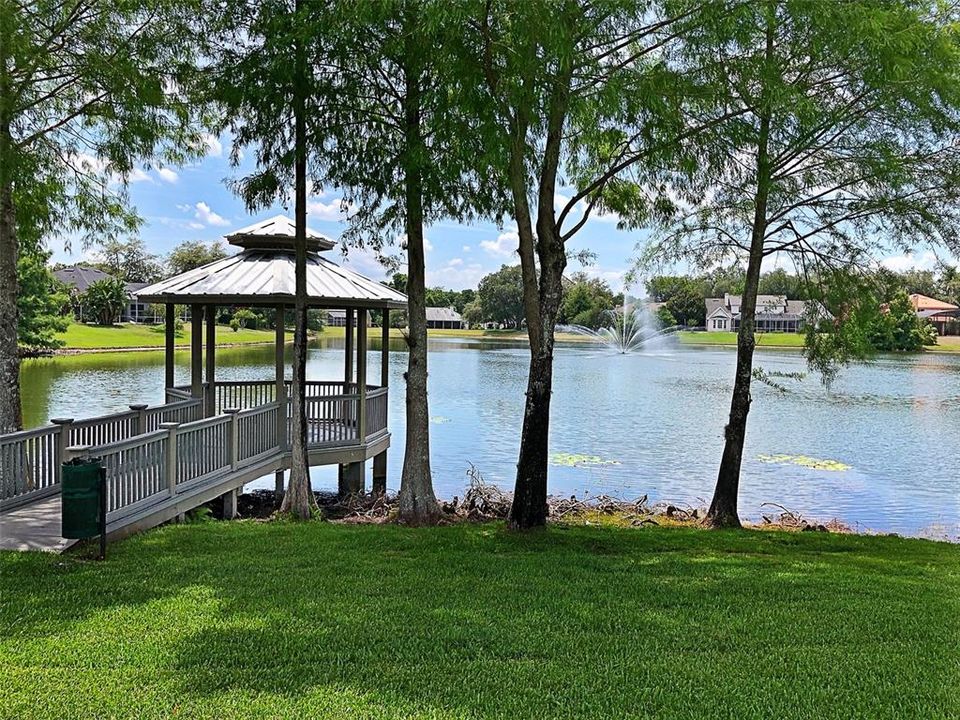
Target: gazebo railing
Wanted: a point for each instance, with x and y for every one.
(30, 460)
(376, 411)
(175, 458)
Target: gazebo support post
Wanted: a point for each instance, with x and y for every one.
(170, 320)
(210, 407)
(281, 395)
(348, 350)
(343, 484)
(380, 461)
(358, 480)
(196, 351)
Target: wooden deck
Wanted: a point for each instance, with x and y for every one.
(157, 469)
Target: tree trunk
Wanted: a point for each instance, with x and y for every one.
(418, 504)
(529, 508)
(299, 499)
(10, 418)
(723, 508)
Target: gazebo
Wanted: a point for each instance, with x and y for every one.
(347, 418)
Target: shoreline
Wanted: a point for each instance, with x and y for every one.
(950, 347)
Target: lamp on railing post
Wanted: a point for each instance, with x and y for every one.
(63, 443)
(233, 437)
(140, 420)
(170, 471)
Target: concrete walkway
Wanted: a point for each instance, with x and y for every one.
(34, 527)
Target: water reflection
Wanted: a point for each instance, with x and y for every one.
(896, 421)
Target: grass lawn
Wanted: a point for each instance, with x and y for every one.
(769, 339)
(126, 335)
(947, 343)
(283, 620)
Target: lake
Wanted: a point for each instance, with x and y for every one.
(879, 450)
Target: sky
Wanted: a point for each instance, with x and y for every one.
(194, 203)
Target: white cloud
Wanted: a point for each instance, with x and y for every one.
(505, 245)
(401, 242)
(332, 210)
(560, 202)
(193, 225)
(614, 278)
(362, 260)
(214, 147)
(138, 175)
(467, 248)
(604, 216)
(167, 175)
(456, 276)
(926, 260)
(207, 216)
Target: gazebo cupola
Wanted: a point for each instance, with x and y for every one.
(345, 426)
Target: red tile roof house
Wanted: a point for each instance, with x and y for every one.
(944, 316)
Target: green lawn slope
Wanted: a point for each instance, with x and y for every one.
(127, 335)
(767, 339)
(283, 620)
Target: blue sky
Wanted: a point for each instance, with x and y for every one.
(194, 203)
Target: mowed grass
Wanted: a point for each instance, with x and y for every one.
(947, 343)
(283, 620)
(769, 339)
(126, 335)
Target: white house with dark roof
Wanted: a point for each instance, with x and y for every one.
(775, 313)
(79, 278)
(444, 318)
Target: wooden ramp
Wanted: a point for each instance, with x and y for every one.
(35, 526)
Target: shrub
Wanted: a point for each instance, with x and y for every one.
(105, 300)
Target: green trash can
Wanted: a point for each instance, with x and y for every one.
(81, 491)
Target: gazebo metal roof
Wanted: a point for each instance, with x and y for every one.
(263, 274)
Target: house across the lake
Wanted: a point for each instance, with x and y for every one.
(944, 316)
(444, 318)
(79, 278)
(775, 313)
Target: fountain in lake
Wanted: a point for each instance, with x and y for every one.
(632, 329)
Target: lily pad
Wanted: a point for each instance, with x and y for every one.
(576, 460)
(804, 461)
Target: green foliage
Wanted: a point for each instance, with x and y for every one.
(665, 318)
(42, 302)
(213, 621)
(899, 328)
(442, 297)
(130, 261)
(245, 317)
(473, 313)
(105, 300)
(98, 89)
(781, 282)
(683, 297)
(500, 294)
(316, 320)
(193, 254)
(588, 302)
